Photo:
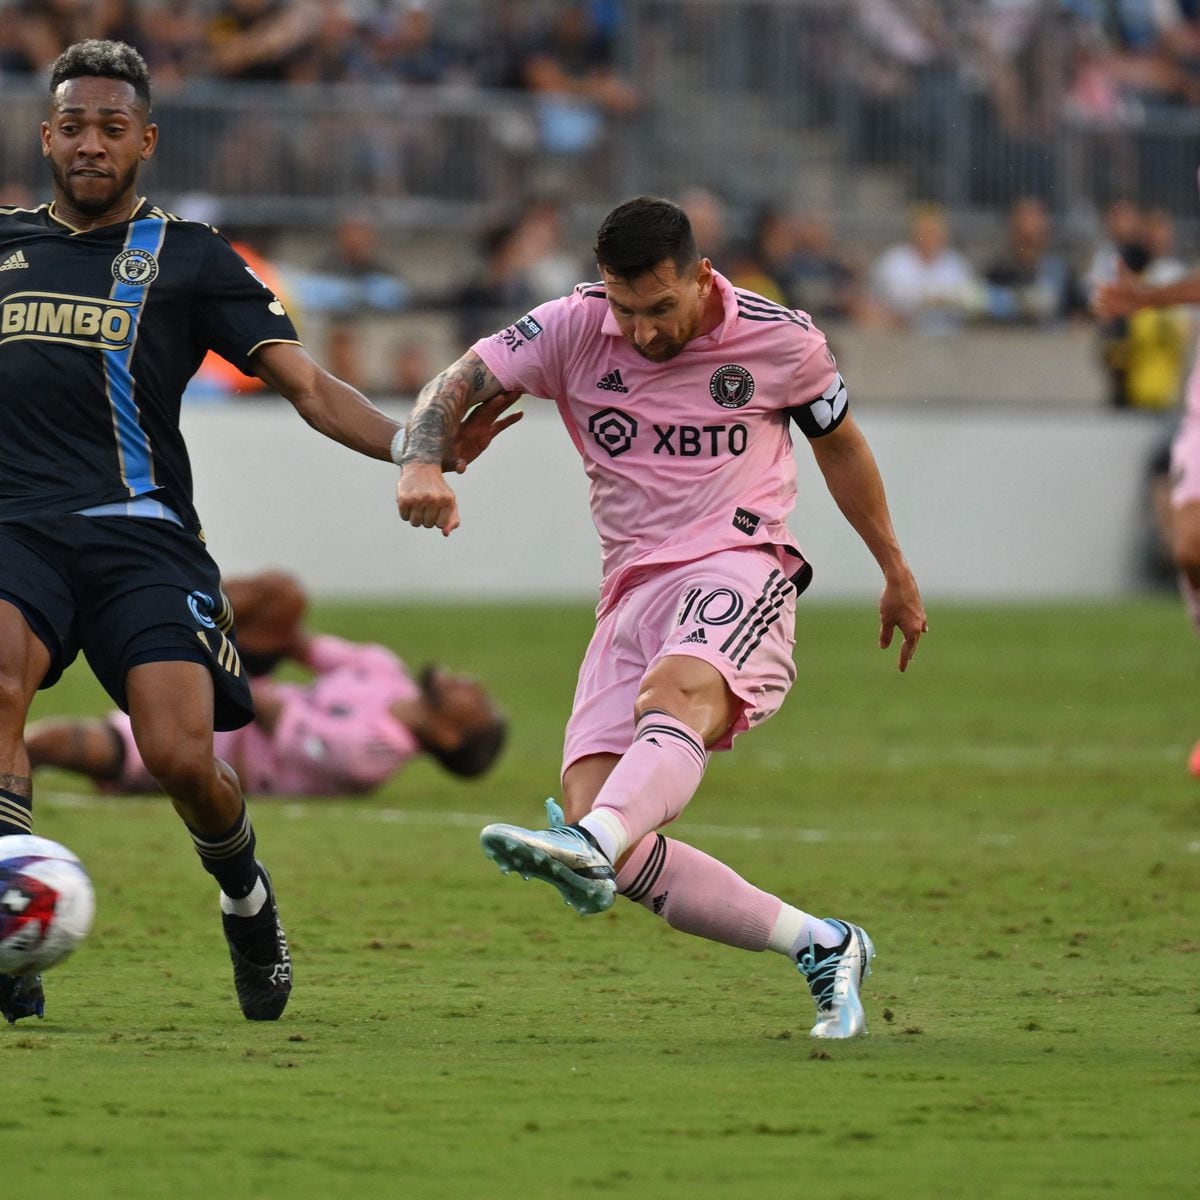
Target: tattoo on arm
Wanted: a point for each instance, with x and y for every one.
(442, 405)
(440, 408)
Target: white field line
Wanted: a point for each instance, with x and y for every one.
(1013, 758)
(303, 809)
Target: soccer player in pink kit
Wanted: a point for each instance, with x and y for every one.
(678, 391)
(1119, 298)
(359, 721)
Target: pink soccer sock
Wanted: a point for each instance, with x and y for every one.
(697, 894)
(650, 786)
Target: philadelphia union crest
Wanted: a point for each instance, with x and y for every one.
(731, 386)
(136, 267)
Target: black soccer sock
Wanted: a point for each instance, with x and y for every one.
(16, 813)
(229, 857)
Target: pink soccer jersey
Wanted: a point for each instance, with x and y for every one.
(685, 457)
(1185, 446)
(335, 736)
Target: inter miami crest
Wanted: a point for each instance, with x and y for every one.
(136, 267)
(731, 386)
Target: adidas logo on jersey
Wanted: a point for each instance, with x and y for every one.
(15, 262)
(696, 637)
(612, 383)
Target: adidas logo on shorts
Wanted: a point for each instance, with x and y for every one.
(612, 383)
(15, 262)
(695, 638)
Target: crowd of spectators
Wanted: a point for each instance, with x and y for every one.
(1014, 73)
(562, 50)
(1031, 64)
(1039, 60)
(1021, 273)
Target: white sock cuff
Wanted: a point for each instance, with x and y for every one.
(606, 826)
(792, 931)
(249, 905)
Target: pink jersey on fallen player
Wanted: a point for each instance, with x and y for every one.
(685, 457)
(335, 735)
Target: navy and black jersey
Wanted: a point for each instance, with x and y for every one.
(100, 332)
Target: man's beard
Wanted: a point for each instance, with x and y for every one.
(93, 206)
(668, 350)
(661, 354)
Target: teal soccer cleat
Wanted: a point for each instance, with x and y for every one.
(563, 855)
(834, 975)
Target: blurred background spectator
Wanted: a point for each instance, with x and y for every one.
(260, 40)
(355, 276)
(1147, 352)
(1123, 226)
(923, 283)
(569, 67)
(525, 260)
(707, 213)
(1029, 282)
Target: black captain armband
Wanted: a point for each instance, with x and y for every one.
(824, 414)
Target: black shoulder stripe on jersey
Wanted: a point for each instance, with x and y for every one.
(791, 318)
(754, 303)
(754, 300)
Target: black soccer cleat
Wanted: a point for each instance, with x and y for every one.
(21, 996)
(262, 964)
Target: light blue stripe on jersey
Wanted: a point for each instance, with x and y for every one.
(143, 506)
(133, 446)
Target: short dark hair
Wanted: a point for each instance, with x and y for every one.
(105, 60)
(642, 233)
(476, 753)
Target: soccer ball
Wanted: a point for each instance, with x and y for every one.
(46, 903)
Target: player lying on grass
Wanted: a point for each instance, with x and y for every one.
(360, 720)
(679, 392)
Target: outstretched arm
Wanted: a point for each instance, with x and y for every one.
(330, 406)
(853, 480)
(341, 412)
(424, 497)
(1127, 293)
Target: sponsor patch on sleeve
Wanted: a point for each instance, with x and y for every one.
(529, 327)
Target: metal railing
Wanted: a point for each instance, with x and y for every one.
(764, 101)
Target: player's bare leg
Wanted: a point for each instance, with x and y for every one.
(87, 746)
(171, 708)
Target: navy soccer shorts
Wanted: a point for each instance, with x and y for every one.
(125, 591)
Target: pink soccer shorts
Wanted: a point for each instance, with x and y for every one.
(735, 609)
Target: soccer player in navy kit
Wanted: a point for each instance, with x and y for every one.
(107, 307)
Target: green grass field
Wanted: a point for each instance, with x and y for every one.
(1012, 821)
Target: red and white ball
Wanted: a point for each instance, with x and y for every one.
(46, 903)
